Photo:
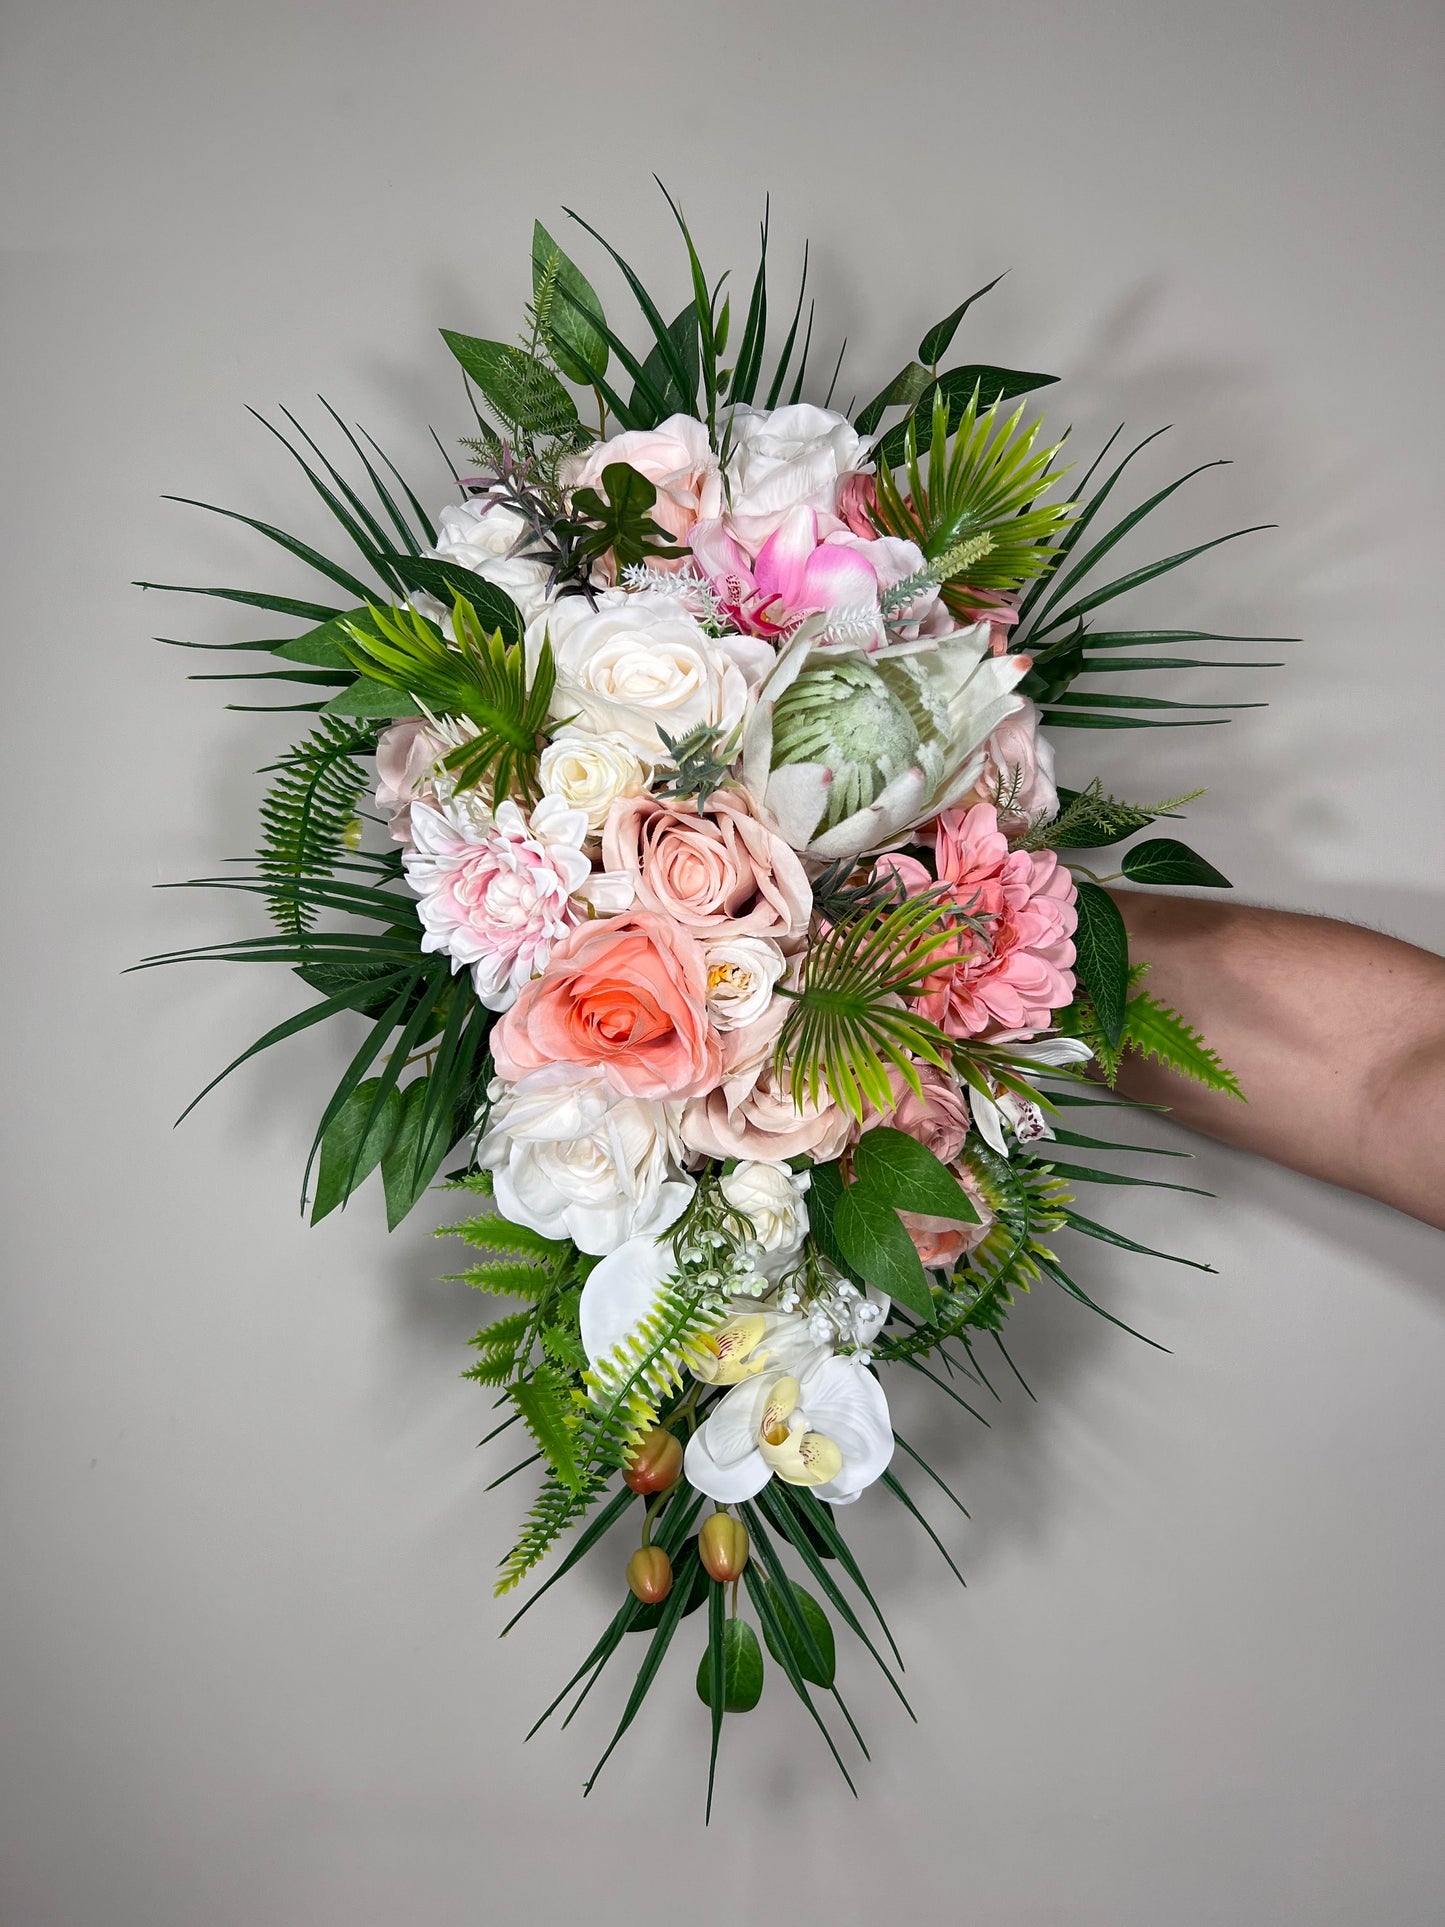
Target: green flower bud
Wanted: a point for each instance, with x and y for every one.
(841, 713)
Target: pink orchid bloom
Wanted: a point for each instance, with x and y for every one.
(795, 575)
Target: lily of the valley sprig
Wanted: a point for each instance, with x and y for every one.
(678, 843)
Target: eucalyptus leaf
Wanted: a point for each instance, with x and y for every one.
(904, 389)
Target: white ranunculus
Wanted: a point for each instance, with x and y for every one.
(771, 1198)
(572, 1158)
(785, 458)
(589, 773)
(641, 664)
(824, 1426)
(480, 535)
(741, 972)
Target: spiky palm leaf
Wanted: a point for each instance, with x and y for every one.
(482, 678)
(848, 1021)
(984, 480)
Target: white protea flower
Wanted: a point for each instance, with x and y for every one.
(851, 751)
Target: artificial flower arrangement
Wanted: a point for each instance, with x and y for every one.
(713, 914)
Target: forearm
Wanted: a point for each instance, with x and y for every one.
(1337, 1036)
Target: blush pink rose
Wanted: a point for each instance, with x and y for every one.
(627, 994)
(938, 1119)
(718, 871)
(406, 758)
(752, 1112)
(677, 458)
(1009, 979)
(1018, 775)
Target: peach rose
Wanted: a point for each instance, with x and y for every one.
(627, 994)
(941, 1242)
(752, 1112)
(676, 457)
(717, 871)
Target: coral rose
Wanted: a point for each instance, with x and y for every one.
(1009, 980)
(752, 1112)
(627, 994)
(718, 871)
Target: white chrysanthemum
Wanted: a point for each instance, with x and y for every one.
(571, 1157)
(495, 891)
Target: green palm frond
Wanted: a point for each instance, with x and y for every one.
(849, 1023)
(482, 678)
(984, 480)
(308, 814)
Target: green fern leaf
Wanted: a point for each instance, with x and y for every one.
(1089, 820)
(504, 1334)
(545, 1402)
(493, 1368)
(1158, 1032)
(308, 817)
(491, 1232)
(507, 1280)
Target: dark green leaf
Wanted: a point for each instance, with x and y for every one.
(619, 513)
(657, 368)
(368, 698)
(872, 1239)
(939, 339)
(806, 1652)
(411, 1163)
(347, 1157)
(523, 391)
(1165, 860)
(1102, 946)
(904, 389)
(495, 609)
(577, 347)
(905, 1174)
(742, 1668)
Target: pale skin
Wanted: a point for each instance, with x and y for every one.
(1337, 1036)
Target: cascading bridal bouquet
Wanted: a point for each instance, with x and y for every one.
(713, 906)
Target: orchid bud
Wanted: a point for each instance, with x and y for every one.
(656, 1463)
(722, 1545)
(649, 1575)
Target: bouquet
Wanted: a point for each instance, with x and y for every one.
(679, 842)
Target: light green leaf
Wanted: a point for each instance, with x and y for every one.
(368, 698)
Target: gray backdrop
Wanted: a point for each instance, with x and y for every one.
(251, 1676)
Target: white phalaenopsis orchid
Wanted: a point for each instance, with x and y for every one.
(1005, 1110)
(851, 750)
(824, 1425)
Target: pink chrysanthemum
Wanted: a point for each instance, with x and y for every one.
(1013, 976)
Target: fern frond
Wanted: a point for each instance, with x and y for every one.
(848, 1022)
(545, 1400)
(983, 481)
(503, 1334)
(1156, 1031)
(1089, 820)
(492, 1368)
(491, 1232)
(483, 678)
(308, 815)
(507, 1280)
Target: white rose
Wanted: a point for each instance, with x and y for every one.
(572, 1158)
(589, 773)
(784, 458)
(741, 972)
(641, 664)
(770, 1196)
(480, 536)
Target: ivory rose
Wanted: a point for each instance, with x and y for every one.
(481, 535)
(626, 994)
(676, 457)
(770, 1197)
(784, 458)
(719, 871)
(741, 973)
(572, 1158)
(752, 1112)
(639, 665)
(588, 773)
